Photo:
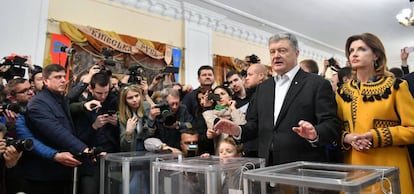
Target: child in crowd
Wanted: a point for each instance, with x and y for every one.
(227, 148)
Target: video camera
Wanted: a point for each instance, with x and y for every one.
(168, 116)
(108, 53)
(20, 144)
(136, 73)
(16, 67)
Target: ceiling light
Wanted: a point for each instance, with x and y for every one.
(405, 17)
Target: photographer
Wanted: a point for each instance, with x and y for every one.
(169, 118)
(329, 63)
(9, 153)
(18, 94)
(98, 128)
(10, 156)
(76, 91)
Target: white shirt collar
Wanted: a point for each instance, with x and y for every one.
(291, 74)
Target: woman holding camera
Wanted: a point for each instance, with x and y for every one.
(224, 108)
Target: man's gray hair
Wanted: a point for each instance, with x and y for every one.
(169, 91)
(285, 36)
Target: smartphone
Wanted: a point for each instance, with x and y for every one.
(409, 49)
(111, 112)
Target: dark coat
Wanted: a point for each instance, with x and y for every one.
(49, 119)
(309, 98)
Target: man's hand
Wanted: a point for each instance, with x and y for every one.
(92, 105)
(11, 156)
(100, 121)
(226, 126)
(306, 130)
(210, 133)
(10, 116)
(2, 146)
(173, 150)
(154, 112)
(66, 159)
(112, 119)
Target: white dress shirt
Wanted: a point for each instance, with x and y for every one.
(282, 84)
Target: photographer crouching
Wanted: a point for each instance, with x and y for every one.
(9, 157)
(169, 118)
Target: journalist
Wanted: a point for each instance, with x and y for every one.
(169, 118)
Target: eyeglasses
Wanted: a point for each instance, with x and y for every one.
(25, 91)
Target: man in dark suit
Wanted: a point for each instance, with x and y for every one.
(293, 115)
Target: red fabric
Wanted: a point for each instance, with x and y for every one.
(58, 41)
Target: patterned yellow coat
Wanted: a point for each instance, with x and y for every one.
(386, 108)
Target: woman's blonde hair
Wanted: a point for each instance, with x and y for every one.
(124, 111)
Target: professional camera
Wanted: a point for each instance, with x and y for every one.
(333, 64)
(15, 66)
(88, 157)
(135, 74)
(214, 97)
(168, 116)
(20, 144)
(11, 106)
(253, 59)
(166, 71)
(108, 53)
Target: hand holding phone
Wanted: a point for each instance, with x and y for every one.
(409, 49)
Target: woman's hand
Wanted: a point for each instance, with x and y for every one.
(131, 124)
(211, 134)
(232, 104)
(359, 142)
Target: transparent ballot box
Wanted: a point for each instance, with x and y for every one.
(309, 177)
(128, 172)
(201, 175)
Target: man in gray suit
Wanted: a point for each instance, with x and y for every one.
(293, 115)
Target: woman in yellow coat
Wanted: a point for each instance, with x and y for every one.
(377, 111)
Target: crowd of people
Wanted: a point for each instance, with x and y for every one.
(361, 116)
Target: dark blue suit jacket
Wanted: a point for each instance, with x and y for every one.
(49, 119)
(309, 98)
